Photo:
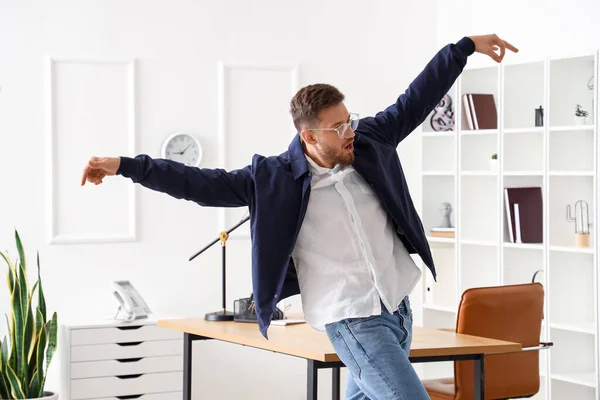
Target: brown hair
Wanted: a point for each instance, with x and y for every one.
(310, 100)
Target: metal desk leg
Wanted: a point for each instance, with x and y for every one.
(187, 366)
(335, 383)
(311, 382)
(478, 378)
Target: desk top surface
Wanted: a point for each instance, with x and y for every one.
(303, 341)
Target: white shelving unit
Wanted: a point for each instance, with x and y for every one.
(561, 157)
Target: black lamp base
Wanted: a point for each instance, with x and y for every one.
(219, 316)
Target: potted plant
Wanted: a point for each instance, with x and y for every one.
(494, 162)
(28, 352)
(580, 115)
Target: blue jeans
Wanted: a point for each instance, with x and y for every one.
(375, 351)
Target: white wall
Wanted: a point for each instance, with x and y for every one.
(538, 28)
(371, 53)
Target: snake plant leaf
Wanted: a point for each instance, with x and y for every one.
(10, 273)
(52, 329)
(18, 328)
(41, 299)
(4, 385)
(34, 388)
(20, 250)
(43, 339)
(16, 387)
(12, 357)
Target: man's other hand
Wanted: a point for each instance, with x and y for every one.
(491, 45)
(99, 167)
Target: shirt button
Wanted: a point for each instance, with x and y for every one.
(275, 296)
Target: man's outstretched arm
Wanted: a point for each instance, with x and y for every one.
(207, 187)
(394, 123)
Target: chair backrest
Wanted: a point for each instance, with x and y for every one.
(513, 313)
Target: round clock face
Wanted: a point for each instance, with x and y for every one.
(182, 148)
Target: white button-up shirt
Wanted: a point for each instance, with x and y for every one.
(347, 255)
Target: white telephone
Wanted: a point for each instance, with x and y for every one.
(130, 301)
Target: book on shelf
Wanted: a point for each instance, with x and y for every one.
(442, 232)
(524, 214)
(480, 111)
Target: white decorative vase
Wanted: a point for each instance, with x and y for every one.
(580, 120)
(47, 396)
(494, 165)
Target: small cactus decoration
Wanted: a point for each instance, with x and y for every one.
(582, 222)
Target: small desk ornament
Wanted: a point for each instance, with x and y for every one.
(445, 229)
(582, 223)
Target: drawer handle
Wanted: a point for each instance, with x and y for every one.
(131, 396)
(129, 328)
(129, 360)
(130, 343)
(132, 376)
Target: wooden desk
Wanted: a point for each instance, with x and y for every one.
(428, 345)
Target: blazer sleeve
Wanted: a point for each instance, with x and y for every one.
(207, 187)
(393, 124)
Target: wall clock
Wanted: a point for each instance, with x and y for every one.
(183, 148)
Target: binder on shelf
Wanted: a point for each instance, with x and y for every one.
(480, 111)
(524, 214)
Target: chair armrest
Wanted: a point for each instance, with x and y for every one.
(542, 346)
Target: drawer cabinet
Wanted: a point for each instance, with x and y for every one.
(112, 360)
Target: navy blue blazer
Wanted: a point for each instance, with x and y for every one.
(276, 189)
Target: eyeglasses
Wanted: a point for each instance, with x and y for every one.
(343, 128)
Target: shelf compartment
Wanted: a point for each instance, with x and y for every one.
(479, 208)
(479, 266)
(520, 264)
(439, 153)
(523, 152)
(483, 80)
(568, 87)
(442, 294)
(523, 93)
(477, 151)
(572, 358)
(563, 387)
(567, 190)
(438, 319)
(571, 151)
(445, 111)
(437, 189)
(517, 182)
(571, 289)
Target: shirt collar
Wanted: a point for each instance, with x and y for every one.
(316, 169)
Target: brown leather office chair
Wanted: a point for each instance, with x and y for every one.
(512, 313)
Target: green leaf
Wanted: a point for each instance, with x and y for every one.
(10, 274)
(21, 334)
(18, 330)
(43, 338)
(29, 331)
(41, 299)
(4, 386)
(12, 358)
(16, 386)
(20, 250)
(52, 329)
(34, 387)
